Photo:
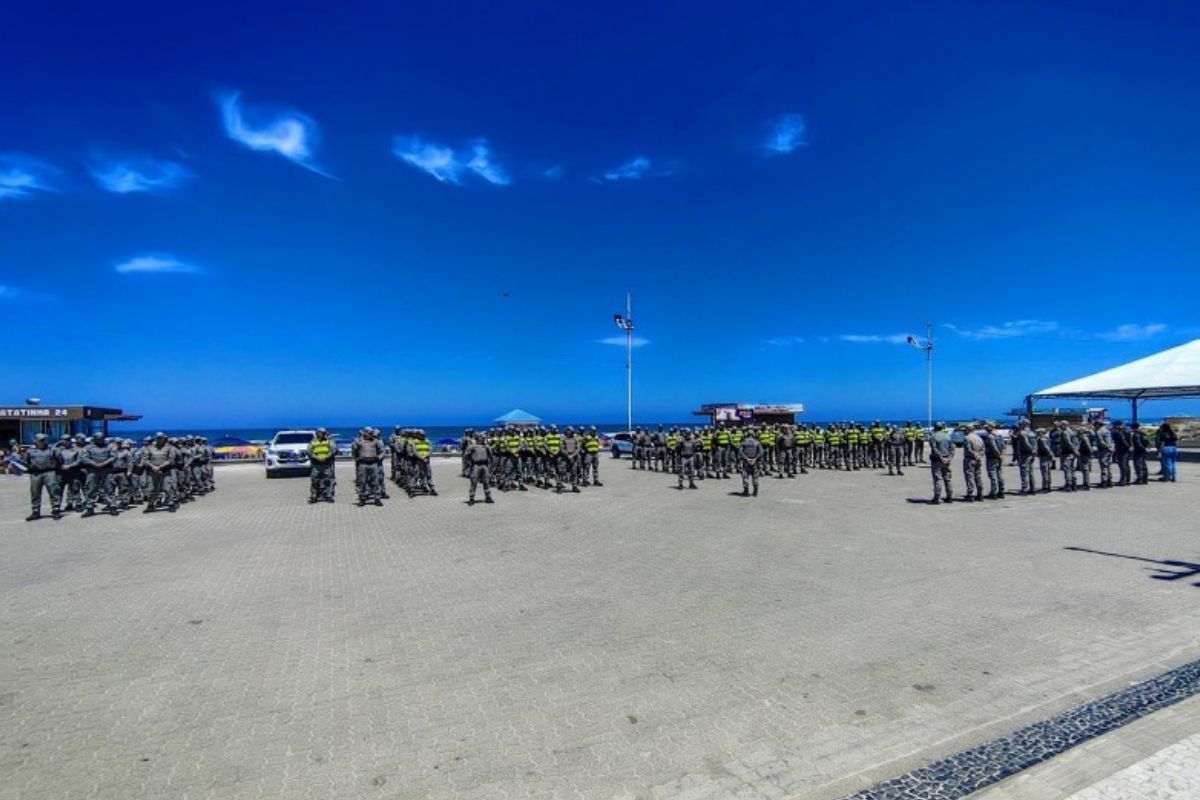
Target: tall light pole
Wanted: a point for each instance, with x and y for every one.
(625, 323)
(927, 346)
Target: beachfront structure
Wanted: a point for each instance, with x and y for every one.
(518, 419)
(1172, 373)
(23, 422)
(744, 414)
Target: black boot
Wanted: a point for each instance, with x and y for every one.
(33, 516)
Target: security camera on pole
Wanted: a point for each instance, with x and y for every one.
(927, 346)
(625, 323)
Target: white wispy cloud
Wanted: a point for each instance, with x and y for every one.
(155, 263)
(785, 134)
(138, 174)
(484, 165)
(554, 173)
(445, 164)
(784, 341)
(620, 340)
(288, 133)
(435, 159)
(633, 170)
(874, 338)
(21, 175)
(1008, 330)
(1132, 332)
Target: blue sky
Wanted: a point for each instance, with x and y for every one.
(269, 213)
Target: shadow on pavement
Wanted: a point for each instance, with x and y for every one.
(1185, 569)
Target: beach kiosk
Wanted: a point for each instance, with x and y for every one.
(518, 419)
(23, 422)
(746, 414)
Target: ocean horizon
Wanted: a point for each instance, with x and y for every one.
(435, 432)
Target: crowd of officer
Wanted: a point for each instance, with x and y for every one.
(407, 450)
(786, 449)
(1072, 450)
(515, 459)
(82, 474)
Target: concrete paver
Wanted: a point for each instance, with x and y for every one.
(631, 641)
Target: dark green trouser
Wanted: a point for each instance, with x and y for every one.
(322, 480)
(72, 483)
(99, 488)
(162, 487)
(52, 483)
(479, 474)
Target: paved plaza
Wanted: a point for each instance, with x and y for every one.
(629, 642)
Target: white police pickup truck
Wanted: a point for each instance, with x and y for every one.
(287, 453)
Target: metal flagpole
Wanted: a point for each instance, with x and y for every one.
(625, 323)
(929, 371)
(629, 362)
(927, 346)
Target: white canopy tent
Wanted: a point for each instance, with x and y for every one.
(1171, 373)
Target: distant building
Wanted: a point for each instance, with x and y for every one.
(744, 414)
(23, 422)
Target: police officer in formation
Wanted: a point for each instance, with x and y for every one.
(478, 456)
(750, 452)
(367, 452)
(81, 475)
(896, 449)
(322, 465)
(941, 459)
(44, 465)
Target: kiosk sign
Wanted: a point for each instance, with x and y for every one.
(34, 412)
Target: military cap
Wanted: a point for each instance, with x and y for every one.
(160, 435)
(147, 439)
(39, 437)
(1118, 424)
(322, 430)
(939, 426)
(1041, 430)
